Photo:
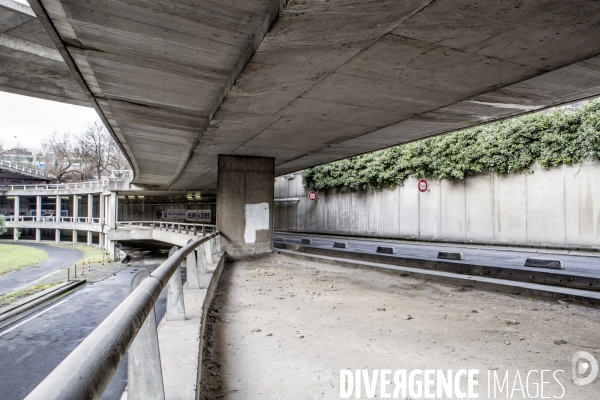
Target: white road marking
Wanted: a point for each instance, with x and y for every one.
(36, 315)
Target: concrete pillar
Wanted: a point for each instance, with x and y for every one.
(101, 240)
(245, 192)
(90, 215)
(112, 249)
(38, 208)
(57, 217)
(16, 210)
(74, 236)
(75, 208)
(112, 210)
(144, 373)
(102, 215)
(38, 217)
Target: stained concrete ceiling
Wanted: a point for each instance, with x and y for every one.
(29, 62)
(329, 80)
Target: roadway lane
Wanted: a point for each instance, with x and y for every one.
(58, 258)
(32, 347)
(587, 265)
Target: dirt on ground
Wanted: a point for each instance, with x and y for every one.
(284, 328)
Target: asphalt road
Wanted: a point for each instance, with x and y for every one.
(480, 255)
(32, 347)
(58, 258)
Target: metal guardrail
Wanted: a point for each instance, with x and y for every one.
(26, 218)
(179, 227)
(18, 167)
(56, 186)
(87, 371)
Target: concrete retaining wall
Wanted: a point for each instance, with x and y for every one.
(559, 207)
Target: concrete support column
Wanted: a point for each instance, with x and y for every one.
(102, 215)
(38, 208)
(75, 208)
(245, 192)
(90, 215)
(16, 210)
(112, 249)
(57, 218)
(75, 215)
(112, 210)
(38, 217)
(101, 240)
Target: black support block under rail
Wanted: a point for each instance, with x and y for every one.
(306, 241)
(447, 255)
(340, 245)
(386, 250)
(544, 263)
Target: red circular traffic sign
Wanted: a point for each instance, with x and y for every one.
(312, 195)
(422, 185)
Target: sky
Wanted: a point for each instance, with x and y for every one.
(34, 120)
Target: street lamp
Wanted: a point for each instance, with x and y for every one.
(18, 150)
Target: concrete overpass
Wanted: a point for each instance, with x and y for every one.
(308, 83)
(304, 83)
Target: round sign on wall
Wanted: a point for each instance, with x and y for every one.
(312, 195)
(422, 185)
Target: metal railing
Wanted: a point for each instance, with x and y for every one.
(43, 218)
(87, 371)
(179, 227)
(18, 167)
(60, 186)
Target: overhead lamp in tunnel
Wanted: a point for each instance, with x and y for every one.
(289, 176)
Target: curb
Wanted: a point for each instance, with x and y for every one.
(29, 304)
(537, 290)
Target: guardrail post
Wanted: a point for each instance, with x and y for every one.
(202, 267)
(203, 230)
(218, 243)
(175, 306)
(193, 282)
(144, 373)
(195, 230)
(213, 245)
(173, 227)
(178, 228)
(208, 252)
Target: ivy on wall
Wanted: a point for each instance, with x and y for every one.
(513, 145)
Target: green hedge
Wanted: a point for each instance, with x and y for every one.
(513, 145)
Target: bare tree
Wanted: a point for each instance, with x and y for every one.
(61, 157)
(99, 151)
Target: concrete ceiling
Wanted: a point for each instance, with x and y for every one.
(29, 62)
(330, 79)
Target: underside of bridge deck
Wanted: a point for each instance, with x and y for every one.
(308, 82)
